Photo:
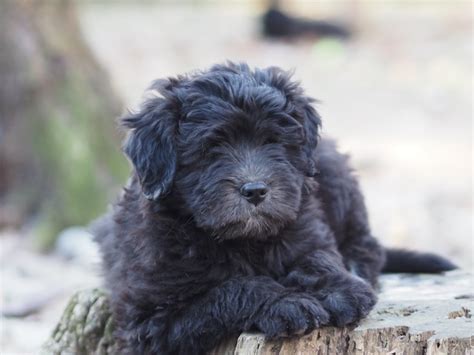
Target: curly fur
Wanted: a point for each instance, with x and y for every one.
(188, 261)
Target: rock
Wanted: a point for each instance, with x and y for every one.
(78, 245)
(416, 314)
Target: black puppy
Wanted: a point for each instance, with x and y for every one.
(235, 219)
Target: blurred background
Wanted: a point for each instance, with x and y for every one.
(394, 81)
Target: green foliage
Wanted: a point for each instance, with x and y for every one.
(74, 138)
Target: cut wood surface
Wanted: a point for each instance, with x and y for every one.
(416, 314)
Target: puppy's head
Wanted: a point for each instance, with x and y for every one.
(234, 144)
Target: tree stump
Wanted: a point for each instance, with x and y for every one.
(416, 314)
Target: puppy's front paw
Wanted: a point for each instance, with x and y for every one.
(349, 304)
(291, 315)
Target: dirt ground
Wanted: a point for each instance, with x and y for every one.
(398, 98)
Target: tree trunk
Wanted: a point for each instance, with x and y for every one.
(416, 314)
(59, 151)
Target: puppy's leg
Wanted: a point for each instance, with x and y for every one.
(322, 274)
(364, 257)
(362, 254)
(237, 305)
(241, 304)
(346, 213)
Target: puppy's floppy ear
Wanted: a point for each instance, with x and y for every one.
(312, 124)
(150, 144)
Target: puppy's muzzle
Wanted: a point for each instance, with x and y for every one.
(254, 192)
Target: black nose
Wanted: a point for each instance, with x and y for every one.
(254, 192)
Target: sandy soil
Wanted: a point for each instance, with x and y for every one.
(397, 97)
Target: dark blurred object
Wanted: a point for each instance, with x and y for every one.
(59, 152)
(277, 24)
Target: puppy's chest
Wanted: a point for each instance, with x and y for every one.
(221, 260)
(252, 259)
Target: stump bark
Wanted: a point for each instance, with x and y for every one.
(416, 314)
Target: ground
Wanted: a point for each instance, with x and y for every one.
(397, 97)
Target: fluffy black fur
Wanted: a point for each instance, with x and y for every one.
(189, 261)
